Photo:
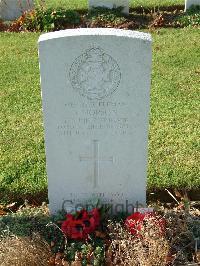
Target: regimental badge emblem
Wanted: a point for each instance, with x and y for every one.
(95, 74)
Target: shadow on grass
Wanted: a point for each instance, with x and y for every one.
(35, 199)
(141, 9)
(146, 9)
(161, 195)
(139, 17)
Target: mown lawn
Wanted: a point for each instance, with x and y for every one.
(22, 146)
(174, 156)
(83, 4)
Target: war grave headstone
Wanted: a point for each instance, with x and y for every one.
(189, 3)
(96, 97)
(13, 9)
(111, 4)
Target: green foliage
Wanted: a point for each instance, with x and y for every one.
(25, 222)
(42, 19)
(194, 227)
(193, 9)
(105, 16)
(28, 221)
(191, 18)
(86, 249)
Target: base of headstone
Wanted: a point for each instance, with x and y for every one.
(13, 9)
(115, 206)
(143, 210)
(189, 3)
(111, 4)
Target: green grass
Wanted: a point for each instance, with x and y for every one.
(173, 145)
(22, 145)
(174, 149)
(83, 4)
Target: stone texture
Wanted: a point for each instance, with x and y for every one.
(12, 9)
(189, 3)
(110, 4)
(96, 94)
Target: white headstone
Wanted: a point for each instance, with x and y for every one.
(111, 4)
(189, 3)
(12, 9)
(95, 90)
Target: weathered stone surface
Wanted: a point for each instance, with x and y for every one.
(12, 9)
(95, 90)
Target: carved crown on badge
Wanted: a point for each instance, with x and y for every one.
(95, 74)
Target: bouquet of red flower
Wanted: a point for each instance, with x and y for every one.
(80, 225)
(136, 222)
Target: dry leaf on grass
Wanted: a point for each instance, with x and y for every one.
(2, 212)
(197, 256)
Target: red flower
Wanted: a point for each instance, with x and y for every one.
(95, 217)
(81, 225)
(136, 222)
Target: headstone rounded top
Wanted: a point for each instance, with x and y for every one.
(95, 31)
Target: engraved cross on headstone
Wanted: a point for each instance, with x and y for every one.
(96, 159)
